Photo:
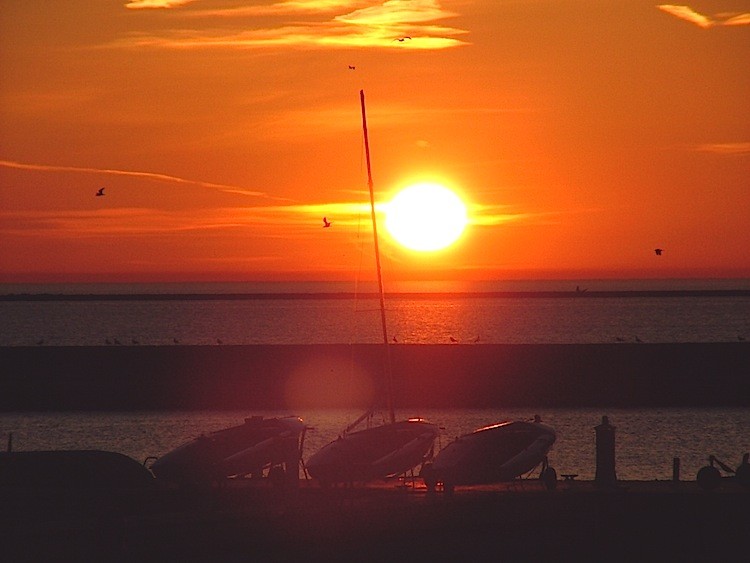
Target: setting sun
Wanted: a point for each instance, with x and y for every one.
(425, 217)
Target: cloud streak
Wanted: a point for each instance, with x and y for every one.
(277, 8)
(726, 148)
(706, 22)
(347, 25)
(152, 4)
(148, 175)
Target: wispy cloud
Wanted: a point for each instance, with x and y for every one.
(346, 24)
(398, 12)
(701, 20)
(278, 8)
(273, 221)
(146, 4)
(149, 175)
(726, 148)
(492, 215)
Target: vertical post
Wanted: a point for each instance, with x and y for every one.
(676, 469)
(10, 442)
(389, 375)
(605, 454)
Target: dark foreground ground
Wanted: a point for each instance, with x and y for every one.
(639, 521)
(426, 376)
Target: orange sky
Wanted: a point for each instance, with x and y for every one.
(582, 134)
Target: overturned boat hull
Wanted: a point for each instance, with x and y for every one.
(247, 449)
(492, 454)
(374, 453)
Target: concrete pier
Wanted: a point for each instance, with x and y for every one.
(340, 375)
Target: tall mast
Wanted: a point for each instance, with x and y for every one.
(389, 373)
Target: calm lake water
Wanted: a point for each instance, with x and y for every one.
(424, 320)
(647, 439)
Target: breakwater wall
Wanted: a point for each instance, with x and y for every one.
(424, 376)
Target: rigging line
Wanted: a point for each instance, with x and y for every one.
(389, 373)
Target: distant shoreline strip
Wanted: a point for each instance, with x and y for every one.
(349, 295)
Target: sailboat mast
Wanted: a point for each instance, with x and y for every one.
(389, 374)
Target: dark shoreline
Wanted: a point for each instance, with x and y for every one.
(112, 378)
(369, 295)
(637, 521)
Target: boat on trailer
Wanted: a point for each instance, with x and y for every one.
(383, 451)
(374, 453)
(493, 454)
(258, 447)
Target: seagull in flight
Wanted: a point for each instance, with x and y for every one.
(326, 223)
(658, 251)
(402, 39)
(352, 67)
(100, 192)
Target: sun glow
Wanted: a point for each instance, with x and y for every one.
(425, 217)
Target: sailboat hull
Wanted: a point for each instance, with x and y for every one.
(240, 450)
(374, 453)
(492, 454)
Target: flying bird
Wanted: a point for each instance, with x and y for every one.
(402, 39)
(658, 251)
(100, 192)
(351, 67)
(326, 223)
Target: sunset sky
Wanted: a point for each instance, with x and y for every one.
(581, 135)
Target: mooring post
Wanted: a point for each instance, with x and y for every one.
(605, 454)
(10, 441)
(676, 469)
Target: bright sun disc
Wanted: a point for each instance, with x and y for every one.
(425, 217)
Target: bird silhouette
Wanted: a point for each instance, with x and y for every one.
(326, 223)
(453, 340)
(658, 251)
(402, 39)
(395, 339)
(352, 67)
(100, 192)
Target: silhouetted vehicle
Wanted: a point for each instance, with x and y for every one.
(71, 469)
